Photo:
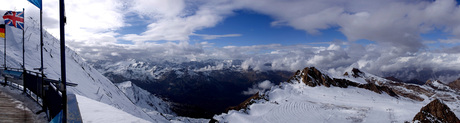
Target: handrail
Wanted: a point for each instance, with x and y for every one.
(33, 86)
(20, 70)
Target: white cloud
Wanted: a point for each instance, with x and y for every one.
(179, 26)
(265, 84)
(88, 22)
(219, 66)
(261, 87)
(449, 41)
(158, 8)
(209, 37)
(394, 22)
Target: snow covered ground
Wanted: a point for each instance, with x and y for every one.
(93, 111)
(145, 100)
(301, 103)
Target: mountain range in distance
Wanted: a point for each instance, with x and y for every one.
(214, 73)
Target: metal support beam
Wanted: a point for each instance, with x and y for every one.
(62, 21)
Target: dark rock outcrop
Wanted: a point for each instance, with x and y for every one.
(313, 77)
(246, 103)
(438, 85)
(378, 89)
(455, 84)
(357, 73)
(436, 112)
(392, 78)
(415, 88)
(415, 81)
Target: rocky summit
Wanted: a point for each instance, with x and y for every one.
(436, 112)
(455, 84)
(313, 77)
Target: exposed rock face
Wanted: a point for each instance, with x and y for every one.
(415, 81)
(313, 77)
(246, 103)
(436, 112)
(392, 78)
(399, 89)
(438, 85)
(357, 72)
(455, 84)
(378, 89)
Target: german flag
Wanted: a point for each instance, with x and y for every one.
(2, 30)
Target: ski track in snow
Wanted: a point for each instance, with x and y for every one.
(301, 103)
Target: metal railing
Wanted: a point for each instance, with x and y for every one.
(47, 93)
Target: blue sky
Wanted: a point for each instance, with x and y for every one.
(256, 29)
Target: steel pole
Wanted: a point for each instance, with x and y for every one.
(62, 21)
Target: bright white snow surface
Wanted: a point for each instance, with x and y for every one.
(96, 112)
(301, 103)
(144, 99)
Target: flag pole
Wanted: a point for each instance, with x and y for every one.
(4, 57)
(62, 21)
(23, 50)
(44, 85)
(4, 52)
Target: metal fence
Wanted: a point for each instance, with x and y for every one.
(47, 93)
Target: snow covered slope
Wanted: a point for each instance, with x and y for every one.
(311, 96)
(153, 105)
(140, 97)
(97, 112)
(91, 83)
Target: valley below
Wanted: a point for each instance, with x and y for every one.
(196, 93)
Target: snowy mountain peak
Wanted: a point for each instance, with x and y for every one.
(314, 77)
(436, 84)
(357, 73)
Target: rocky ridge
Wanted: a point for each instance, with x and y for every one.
(455, 84)
(314, 77)
(436, 112)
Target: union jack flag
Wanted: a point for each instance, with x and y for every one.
(15, 19)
